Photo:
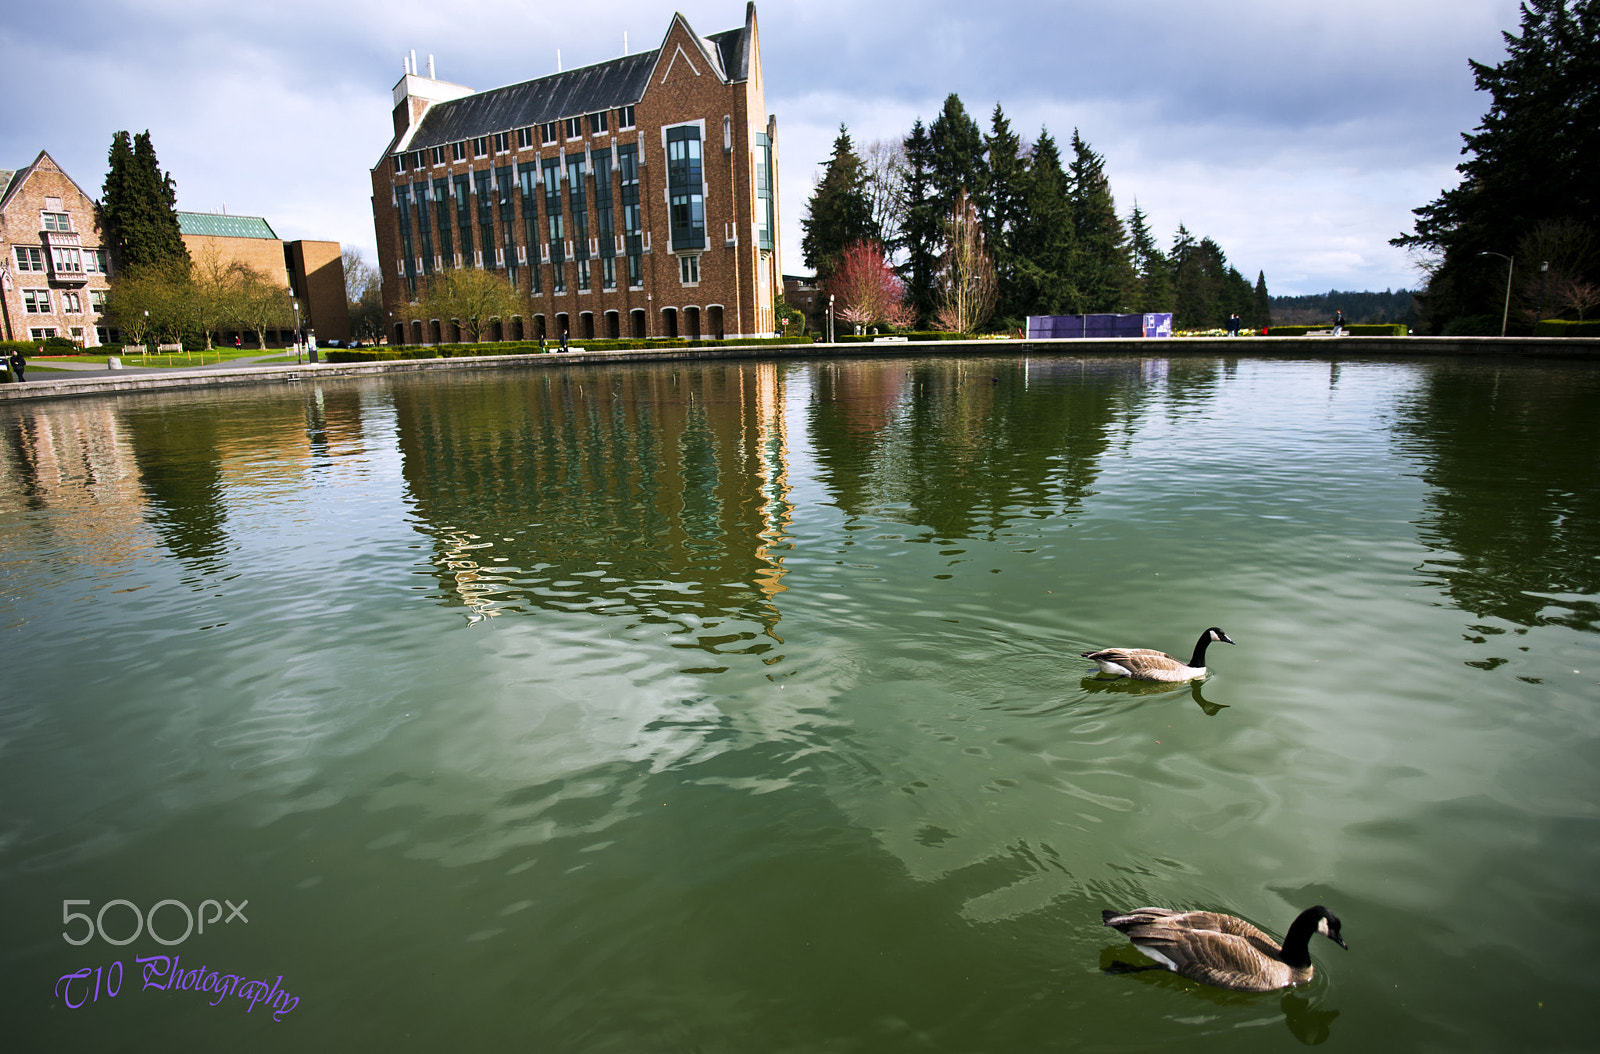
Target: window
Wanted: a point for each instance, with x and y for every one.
(502, 142)
(689, 269)
(574, 127)
(486, 217)
(71, 303)
(36, 301)
(57, 221)
(77, 334)
(686, 194)
(480, 146)
(66, 260)
(30, 258)
(42, 332)
(416, 159)
(524, 138)
(547, 132)
(583, 276)
(764, 207)
(438, 155)
(625, 117)
(458, 151)
(399, 162)
(577, 200)
(97, 300)
(608, 272)
(597, 122)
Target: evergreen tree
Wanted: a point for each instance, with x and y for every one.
(1533, 160)
(1149, 264)
(138, 214)
(920, 233)
(840, 210)
(1042, 248)
(1102, 268)
(1004, 202)
(1261, 315)
(957, 148)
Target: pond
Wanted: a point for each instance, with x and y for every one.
(739, 706)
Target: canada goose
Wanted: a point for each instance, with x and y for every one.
(1147, 664)
(1225, 951)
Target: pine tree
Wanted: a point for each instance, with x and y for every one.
(920, 233)
(840, 210)
(137, 208)
(1150, 264)
(1103, 270)
(1262, 314)
(1533, 160)
(1006, 170)
(957, 147)
(1043, 246)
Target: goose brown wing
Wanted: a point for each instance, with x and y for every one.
(1228, 960)
(1137, 658)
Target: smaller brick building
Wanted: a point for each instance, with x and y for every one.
(53, 272)
(312, 271)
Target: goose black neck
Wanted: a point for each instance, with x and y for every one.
(1200, 647)
(1297, 944)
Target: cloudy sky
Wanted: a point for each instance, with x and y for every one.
(1297, 134)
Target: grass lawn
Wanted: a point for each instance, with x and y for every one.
(53, 363)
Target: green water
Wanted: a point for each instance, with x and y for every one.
(737, 707)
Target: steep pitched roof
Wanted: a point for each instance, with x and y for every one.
(216, 225)
(14, 179)
(603, 86)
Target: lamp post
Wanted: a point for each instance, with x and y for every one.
(1511, 265)
(296, 305)
(649, 309)
(1544, 271)
(830, 318)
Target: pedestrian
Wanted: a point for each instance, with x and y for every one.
(1338, 321)
(238, 345)
(19, 365)
(563, 338)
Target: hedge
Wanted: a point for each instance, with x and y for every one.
(936, 334)
(52, 346)
(387, 353)
(1561, 327)
(1386, 329)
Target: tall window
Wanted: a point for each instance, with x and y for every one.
(524, 138)
(625, 117)
(530, 221)
(574, 127)
(597, 122)
(486, 217)
(689, 269)
(441, 208)
(66, 260)
(605, 225)
(480, 146)
(71, 303)
(438, 155)
(577, 197)
(502, 142)
(632, 217)
(685, 190)
(552, 212)
(464, 216)
(764, 207)
(424, 226)
(504, 189)
(36, 301)
(458, 151)
(548, 131)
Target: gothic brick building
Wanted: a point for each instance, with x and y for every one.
(633, 198)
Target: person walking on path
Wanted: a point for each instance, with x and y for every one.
(19, 365)
(563, 338)
(1338, 321)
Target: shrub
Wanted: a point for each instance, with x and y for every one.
(1561, 327)
(384, 353)
(1386, 329)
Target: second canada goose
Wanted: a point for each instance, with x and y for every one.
(1223, 950)
(1147, 664)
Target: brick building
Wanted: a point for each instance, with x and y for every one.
(633, 198)
(53, 271)
(312, 271)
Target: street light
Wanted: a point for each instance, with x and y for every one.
(1511, 265)
(296, 305)
(830, 318)
(1544, 270)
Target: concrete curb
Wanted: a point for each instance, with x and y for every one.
(113, 382)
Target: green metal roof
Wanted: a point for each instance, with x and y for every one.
(218, 225)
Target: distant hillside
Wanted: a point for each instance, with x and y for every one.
(1388, 306)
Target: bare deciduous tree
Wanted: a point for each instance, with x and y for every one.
(471, 298)
(966, 283)
(884, 164)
